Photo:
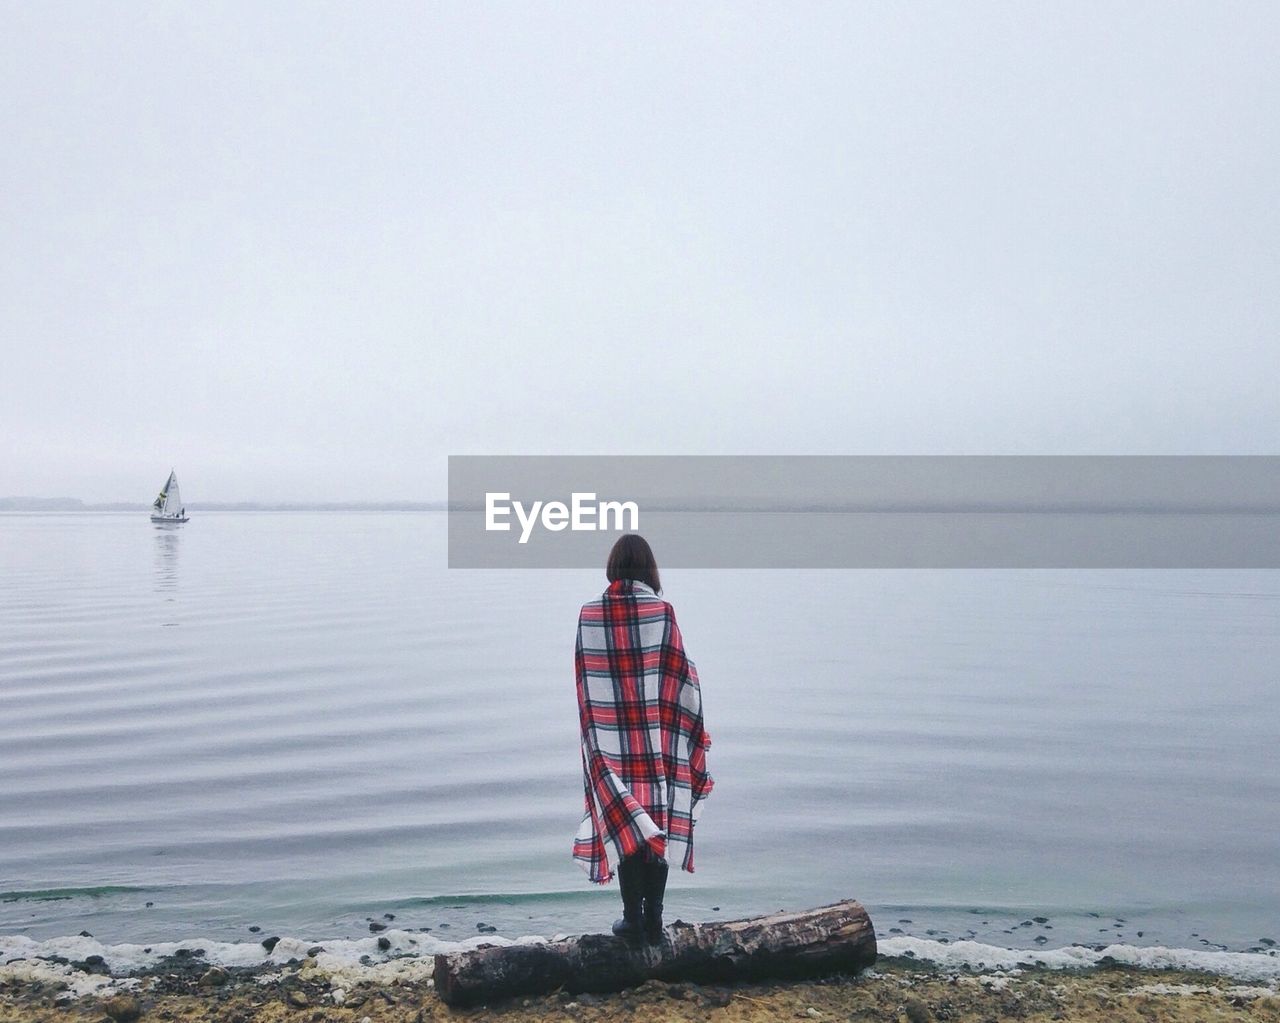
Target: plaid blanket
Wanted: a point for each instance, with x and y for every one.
(644, 750)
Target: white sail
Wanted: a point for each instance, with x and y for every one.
(173, 500)
(168, 503)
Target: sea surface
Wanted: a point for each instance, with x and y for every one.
(305, 722)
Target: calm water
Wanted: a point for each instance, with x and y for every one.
(301, 721)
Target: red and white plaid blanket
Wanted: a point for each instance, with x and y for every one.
(644, 750)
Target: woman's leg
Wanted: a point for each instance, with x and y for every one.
(654, 886)
(631, 880)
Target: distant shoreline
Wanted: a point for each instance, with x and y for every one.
(74, 504)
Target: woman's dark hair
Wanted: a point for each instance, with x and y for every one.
(632, 558)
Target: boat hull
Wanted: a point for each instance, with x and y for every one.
(167, 520)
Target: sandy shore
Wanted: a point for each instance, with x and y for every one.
(187, 989)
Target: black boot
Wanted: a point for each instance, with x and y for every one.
(655, 884)
(631, 881)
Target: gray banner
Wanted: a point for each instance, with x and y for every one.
(868, 511)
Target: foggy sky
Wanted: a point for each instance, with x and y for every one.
(305, 252)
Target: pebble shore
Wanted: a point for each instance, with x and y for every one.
(184, 989)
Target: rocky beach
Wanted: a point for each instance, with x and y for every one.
(318, 986)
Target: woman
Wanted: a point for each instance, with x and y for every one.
(644, 760)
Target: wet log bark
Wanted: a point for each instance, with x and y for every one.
(831, 939)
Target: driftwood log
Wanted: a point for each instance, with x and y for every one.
(831, 939)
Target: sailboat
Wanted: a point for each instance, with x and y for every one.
(167, 507)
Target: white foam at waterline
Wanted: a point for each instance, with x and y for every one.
(338, 953)
(1252, 966)
(410, 957)
(77, 982)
